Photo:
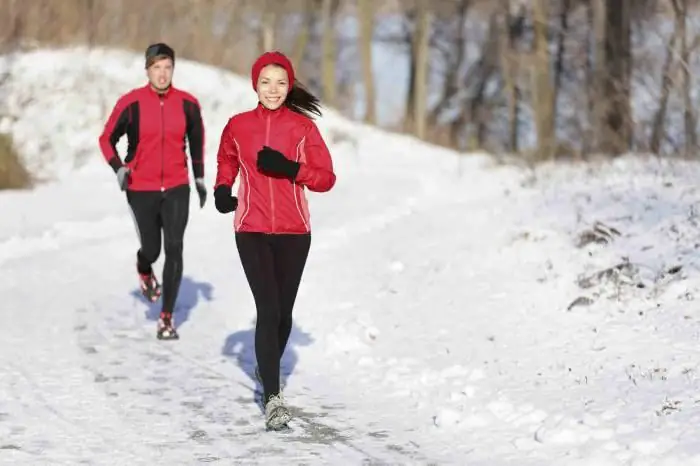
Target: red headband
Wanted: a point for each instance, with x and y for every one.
(272, 58)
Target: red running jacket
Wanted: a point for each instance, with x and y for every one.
(156, 126)
(268, 204)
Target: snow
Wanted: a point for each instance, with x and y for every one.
(448, 313)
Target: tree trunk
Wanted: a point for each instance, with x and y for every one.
(592, 81)
(614, 72)
(681, 10)
(599, 72)
(658, 131)
(328, 54)
(366, 23)
(302, 39)
(422, 39)
(409, 124)
(542, 90)
(487, 66)
(510, 73)
(561, 46)
(455, 62)
(268, 29)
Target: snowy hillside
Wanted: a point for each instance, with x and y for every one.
(453, 311)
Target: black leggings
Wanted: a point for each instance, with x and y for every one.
(167, 211)
(273, 265)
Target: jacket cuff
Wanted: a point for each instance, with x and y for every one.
(294, 170)
(222, 190)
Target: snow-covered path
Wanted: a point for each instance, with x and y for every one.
(433, 325)
(85, 364)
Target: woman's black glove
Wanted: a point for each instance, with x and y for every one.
(223, 200)
(274, 162)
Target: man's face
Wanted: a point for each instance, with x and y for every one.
(160, 74)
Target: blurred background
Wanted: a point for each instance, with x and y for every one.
(539, 79)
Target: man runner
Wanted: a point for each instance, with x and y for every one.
(156, 119)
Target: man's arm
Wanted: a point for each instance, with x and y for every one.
(195, 136)
(115, 127)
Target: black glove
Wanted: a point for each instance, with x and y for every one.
(274, 162)
(201, 191)
(223, 199)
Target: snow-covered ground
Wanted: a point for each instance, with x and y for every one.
(449, 313)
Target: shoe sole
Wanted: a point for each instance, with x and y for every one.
(280, 421)
(151, 296)
(169, 336)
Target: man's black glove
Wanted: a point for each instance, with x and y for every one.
(223, 199)
(274, 162)
(201, 191)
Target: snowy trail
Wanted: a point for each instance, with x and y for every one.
(440, 351)
(432, 327)
(52, 405)
(102, 374)
(193, 401)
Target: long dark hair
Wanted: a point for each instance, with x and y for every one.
(300, 100)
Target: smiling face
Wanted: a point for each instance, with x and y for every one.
(273, 86)
(160, 73)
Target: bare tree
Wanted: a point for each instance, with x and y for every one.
(329, 52)
(612, 22)
(509, 33)
(267, 39)
(542, 85)
(474, 110)
(565, 9)
(366, 28)
(450, 37)
(422, 47)
(680, 8)
(659, 124)
(302, 39)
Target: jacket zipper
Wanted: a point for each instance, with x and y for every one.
(269, 179)
(162, 146)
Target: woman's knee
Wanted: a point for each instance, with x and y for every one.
(173, 248)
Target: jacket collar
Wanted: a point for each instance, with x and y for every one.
(153, 92)
(263, 112)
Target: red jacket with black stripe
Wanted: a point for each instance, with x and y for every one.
(270, 204)
(156, 126)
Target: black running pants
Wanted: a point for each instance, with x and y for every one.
(165, 213)
(273, 265)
